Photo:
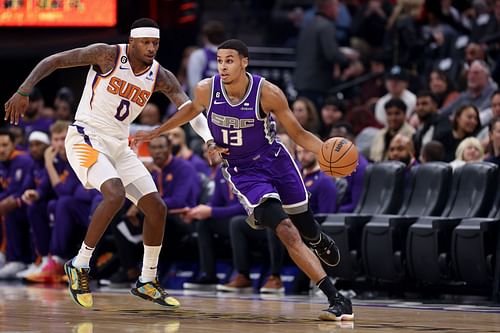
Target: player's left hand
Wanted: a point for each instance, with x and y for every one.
(15, 108)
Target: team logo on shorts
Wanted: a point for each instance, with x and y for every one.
(123, 59)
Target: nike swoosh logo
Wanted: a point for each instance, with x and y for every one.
(277, 153)
(219, 102)
(121, 67)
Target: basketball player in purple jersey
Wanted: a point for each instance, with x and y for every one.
(262, 172)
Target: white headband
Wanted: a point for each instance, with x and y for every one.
(39, 136)
(145, 32)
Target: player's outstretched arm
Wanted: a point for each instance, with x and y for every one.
(189, 111)
(274, 100)
(102, 55)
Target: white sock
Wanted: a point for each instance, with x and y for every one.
(150, 263)
(82, 260)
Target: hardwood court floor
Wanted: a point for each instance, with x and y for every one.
(37, 309)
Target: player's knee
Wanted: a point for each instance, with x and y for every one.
(288, 234)
(113, 193)
(270, 213)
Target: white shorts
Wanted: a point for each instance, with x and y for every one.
(96, 157)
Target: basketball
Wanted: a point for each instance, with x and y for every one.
(338, 157)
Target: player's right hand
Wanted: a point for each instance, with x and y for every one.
(15, 108)
(214, 152)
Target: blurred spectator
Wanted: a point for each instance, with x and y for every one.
(369, 25)
(373, 88)
(396, 124)
(64, 104)
(469, 150)
(466, 123)
(332, 112)
(396, 83)
(14, 166)
(494, 146)
(402, 38)
(401, 149)
(212, 226)
(488, 115)
(177, 137)
(318, 53)
(365, 127)
(38, 216)
(202, 63)
(480, 88)
(150, 115)
(431, 123)
(441, 87)
(432, 151)
(33, 120)
(306, 114)
(353, 187)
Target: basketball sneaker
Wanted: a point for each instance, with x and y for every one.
(50, 271)
(326, 250)
(152, 291)
(78, 284)
(340, 309)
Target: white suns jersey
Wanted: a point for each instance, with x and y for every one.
(111, 101)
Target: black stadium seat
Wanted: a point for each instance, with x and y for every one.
(382, 194)
(385, 235)
(429, 239)
(473, 247)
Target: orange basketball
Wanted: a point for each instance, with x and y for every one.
(338, 157)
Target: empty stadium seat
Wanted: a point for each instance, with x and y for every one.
(382, 194)
(429, 239)
(473, 247)
(383, 244)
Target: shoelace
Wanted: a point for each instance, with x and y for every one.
(162, 291)
(83, 280)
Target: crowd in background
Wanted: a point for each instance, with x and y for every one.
(419, 84)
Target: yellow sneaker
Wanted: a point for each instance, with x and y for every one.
(78, 282)
(152, 291)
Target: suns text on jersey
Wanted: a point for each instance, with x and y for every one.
(128, 91)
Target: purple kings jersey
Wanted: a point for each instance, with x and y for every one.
(241, 127)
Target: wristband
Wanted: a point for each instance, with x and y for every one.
(22, 93)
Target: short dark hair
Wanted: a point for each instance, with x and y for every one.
(167, 140)
(214, 31)
(334, 101)
(235, 44)
(493, 122)
(427, 93)
(396, 103)
(433, 151)
(145, 23)
(7, 132)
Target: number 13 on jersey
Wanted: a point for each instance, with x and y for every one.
(232, 137)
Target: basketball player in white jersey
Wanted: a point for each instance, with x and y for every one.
(119, 83)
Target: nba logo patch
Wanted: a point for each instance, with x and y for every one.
(150, 76)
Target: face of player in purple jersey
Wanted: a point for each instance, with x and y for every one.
(144, 49)
(230, 65)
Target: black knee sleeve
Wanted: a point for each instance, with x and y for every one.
(269, 213)
(306, 224)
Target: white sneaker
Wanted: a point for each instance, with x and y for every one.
(10, 270)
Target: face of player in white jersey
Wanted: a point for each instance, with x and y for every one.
(144, 49)
(230, 65)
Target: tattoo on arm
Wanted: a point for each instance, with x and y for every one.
(168, 84)
(102, 55)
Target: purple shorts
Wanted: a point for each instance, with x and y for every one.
(272, 173)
